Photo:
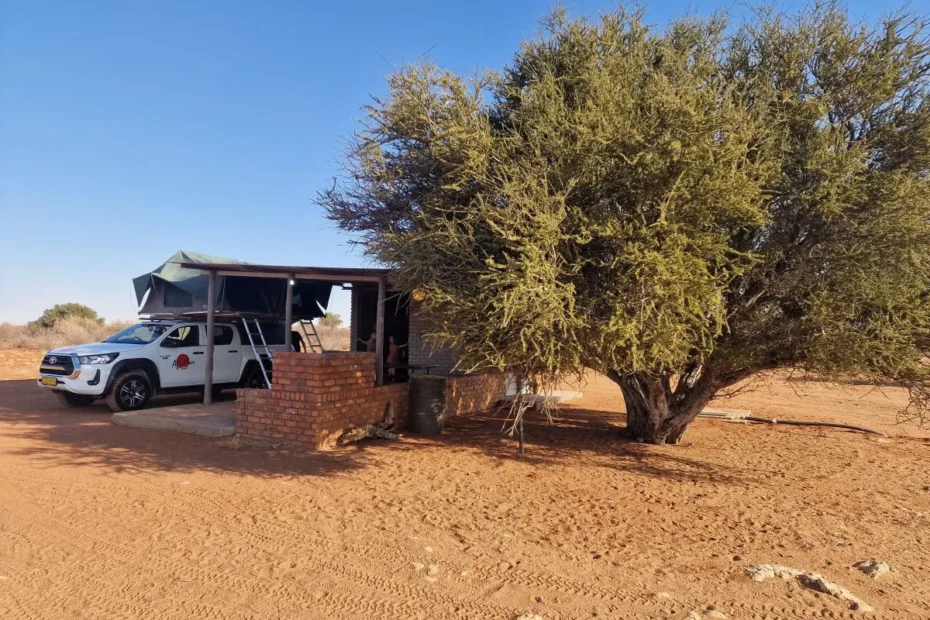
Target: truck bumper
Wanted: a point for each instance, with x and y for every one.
(83, 380)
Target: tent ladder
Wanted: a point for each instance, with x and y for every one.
(255, 347)
(312, 337)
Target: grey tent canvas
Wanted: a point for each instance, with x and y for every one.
(174, 290)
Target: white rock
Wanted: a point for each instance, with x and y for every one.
(761, 572)
(529, 617)
(873, 568)
(716, 615)
(812, 581)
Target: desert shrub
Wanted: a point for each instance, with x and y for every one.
(62, 332)
(61, 312)
(330, 319)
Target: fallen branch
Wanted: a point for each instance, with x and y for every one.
(365, 431)
(849, 427)
(813, 581)
(381, 430)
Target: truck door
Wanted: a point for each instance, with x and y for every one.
(227, 354)
(181, 357)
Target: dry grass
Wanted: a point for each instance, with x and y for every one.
(81, 331)
(334, 338)
(64, 333)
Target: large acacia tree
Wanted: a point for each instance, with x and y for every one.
(676, 208)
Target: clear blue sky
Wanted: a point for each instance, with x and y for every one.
(130, 130)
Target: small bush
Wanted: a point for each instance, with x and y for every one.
(63, 332)
(330, 319)
(63, 312)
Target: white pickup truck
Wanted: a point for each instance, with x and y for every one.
(154, 357)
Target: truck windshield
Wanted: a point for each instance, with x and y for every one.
(143, 333)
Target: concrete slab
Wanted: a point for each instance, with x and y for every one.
(719, 413)
(555, 397)
(217, 420)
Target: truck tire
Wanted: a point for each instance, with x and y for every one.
(254, 379)
(74, 400)
(130, 391)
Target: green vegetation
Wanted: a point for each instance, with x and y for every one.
(63, 333)
(330, 319)
(63, 312)
(677, 209)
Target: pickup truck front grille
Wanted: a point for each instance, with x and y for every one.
(57, 365)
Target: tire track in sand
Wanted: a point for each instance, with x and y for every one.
(257, 586)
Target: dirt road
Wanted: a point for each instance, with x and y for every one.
(100, 521)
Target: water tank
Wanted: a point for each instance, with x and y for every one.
(427, 411)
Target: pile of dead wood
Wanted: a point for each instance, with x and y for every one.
(381, 430)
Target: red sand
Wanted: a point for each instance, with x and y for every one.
(100, 521)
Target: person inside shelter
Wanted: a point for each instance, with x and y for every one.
(370, 344)
(395, 352)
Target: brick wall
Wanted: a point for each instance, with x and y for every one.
(471, 393)
(420, 352)
(315, 397)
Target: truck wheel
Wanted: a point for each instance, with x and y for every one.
(74, 400)
(131, 390)
(254, 379)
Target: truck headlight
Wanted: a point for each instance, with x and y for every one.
(103, 358)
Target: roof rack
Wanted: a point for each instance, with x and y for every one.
(202, 315)
(228, 314)
(154, 318)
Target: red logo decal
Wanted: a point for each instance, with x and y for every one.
(182, 362)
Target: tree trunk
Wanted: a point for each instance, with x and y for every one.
(657, 414)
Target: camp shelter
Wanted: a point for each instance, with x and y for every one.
(176, 289)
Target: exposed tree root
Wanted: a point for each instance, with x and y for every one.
(850, 427)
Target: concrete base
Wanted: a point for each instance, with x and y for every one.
(555, 397)
(218, 420)
(720, 413)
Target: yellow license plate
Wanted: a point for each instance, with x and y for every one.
(48, 381)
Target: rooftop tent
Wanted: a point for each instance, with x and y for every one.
(173, 289)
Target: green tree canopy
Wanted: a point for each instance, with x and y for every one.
(62, 312)
(678, 209)
(330, 319)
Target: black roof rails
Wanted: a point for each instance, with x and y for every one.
(202, 314)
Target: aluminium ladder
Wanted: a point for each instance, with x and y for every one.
(312, 338)
(263, 343)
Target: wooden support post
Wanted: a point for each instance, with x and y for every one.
(354, 334)
(379, 334)
(211, 316)
(289, 314)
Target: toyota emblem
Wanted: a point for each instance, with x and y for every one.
(53, 360)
